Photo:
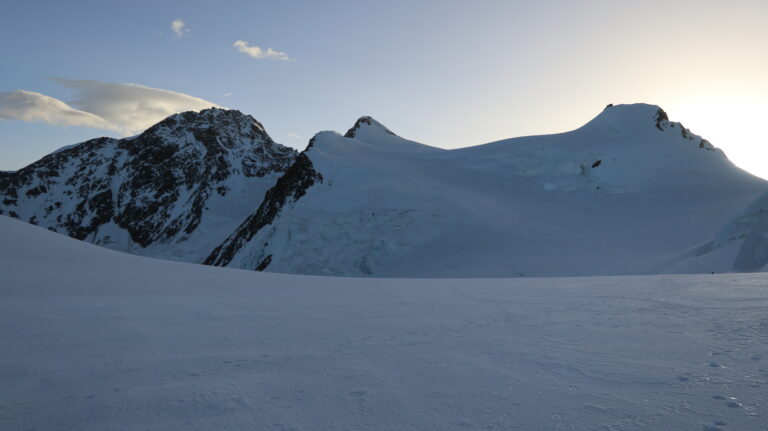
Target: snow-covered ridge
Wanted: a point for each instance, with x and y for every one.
(637, 118)
(289, 188)
(643, 186)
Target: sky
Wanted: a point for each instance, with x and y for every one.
(446, 73)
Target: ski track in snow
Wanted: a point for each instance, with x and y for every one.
(94, 339)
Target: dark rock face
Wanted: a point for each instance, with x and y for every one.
(706, 145)
(662, 123)
(154, 185)
(660, 118)
(289, 188)
(367, 121)
(79, 171)
(264, 263)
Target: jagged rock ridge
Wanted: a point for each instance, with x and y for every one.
(289, 188)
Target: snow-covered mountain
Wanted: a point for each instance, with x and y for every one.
(628, 193)
(175, 191)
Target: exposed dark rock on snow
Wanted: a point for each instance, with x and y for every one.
(365, 121)
(662, 123)
(660, 117)
(264, 263)
(289, 188)
(706, 145)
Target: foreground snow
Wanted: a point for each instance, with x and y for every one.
(94, 340)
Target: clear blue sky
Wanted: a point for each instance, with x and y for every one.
(445, 73)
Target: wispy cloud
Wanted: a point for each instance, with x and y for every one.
(126, 108)
(256, 52)
(293, 135)
(35, 107)
(179, 27)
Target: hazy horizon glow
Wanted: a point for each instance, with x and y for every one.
(444, 73)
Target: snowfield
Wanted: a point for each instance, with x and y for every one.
(93, 339)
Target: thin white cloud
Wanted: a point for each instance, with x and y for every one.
(131, 108)
(125, 108)
(179, 27)
(256, 52)
(35, 107)
(293, 135)
(227, 94)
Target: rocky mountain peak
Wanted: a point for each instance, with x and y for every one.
(230, 124)
(364, 122)
(156, 186)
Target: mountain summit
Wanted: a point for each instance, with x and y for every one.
(169, 192)
(640, 117)
(366, 123)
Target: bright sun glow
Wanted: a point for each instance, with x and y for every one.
(733, 123)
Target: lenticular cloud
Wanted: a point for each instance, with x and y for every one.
(35, 107)
(122, 107)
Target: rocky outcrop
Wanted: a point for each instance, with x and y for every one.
(289, 188)
(663, 123)
(365, 121)
(661, 118)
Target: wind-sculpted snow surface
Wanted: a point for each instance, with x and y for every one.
(175, 191)
(94, 339)
(628, 193)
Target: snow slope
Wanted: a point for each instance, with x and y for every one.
(628, 193)
(746, 237)
(94, 339)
